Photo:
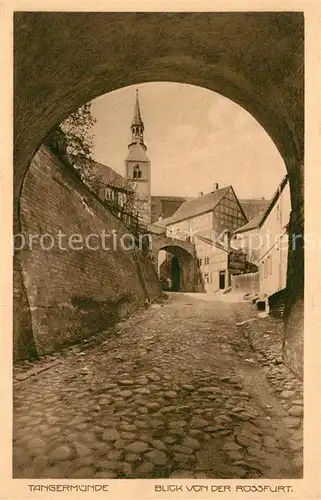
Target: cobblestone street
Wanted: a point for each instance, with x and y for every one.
(188, 388)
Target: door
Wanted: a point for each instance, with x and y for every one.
(222, 280)
(175, 275)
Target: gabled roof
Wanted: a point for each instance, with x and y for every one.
(172, 198)
(252, 224)
(197, 206)
(275, 197)
(137, 153)
(253, 207)
(104, 172)
(257, 221)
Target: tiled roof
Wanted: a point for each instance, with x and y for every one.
(107, 174)
(137, 153)
(253, 207)
(260, 218)
(275, 197)
(197, 206)
(171, 198)
(166, 206)
(252, 224)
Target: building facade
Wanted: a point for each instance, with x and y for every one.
(211, 273)
(208, 221)
(264, 239)
(275, 242)
(247, 238)
(165, 206)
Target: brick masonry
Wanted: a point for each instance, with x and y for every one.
(75, 293)
(293, 345)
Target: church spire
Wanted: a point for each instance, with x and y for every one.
(137, 126)
(138, 167)
(137, 118)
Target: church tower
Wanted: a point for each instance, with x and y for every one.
(137, 166)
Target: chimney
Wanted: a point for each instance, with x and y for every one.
(215, 187)
(200, 193)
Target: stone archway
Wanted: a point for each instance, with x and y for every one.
(179, 267)
(62, 60)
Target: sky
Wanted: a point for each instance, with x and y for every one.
(194, 138)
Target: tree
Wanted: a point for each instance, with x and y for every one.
(77, 132)
(73, 139)
(77, 129)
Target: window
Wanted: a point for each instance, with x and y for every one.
(108, 193)
(199, 279)
(207, 278)
(137, 173)
(199, 262)
(206, 261)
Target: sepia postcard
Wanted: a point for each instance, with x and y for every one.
(161, 215)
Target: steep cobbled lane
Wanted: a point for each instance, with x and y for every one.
(176, 392)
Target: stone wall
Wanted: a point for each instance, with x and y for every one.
(293, 345)
(294, 308)
(294, 334)
(75, 293)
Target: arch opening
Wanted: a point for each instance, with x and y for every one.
(175, 267)
(264, 76)
(216, 66)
